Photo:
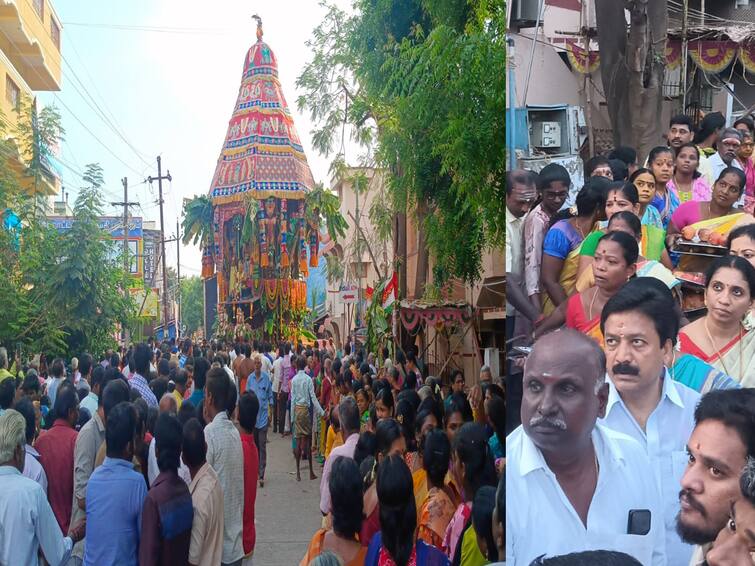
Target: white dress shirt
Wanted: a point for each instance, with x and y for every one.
(33, 468)
(153, 470)
(225, 455)
(27, 523)
(665, 440)
(541, 520)
(277, 372)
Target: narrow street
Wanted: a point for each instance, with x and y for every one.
(287, 512)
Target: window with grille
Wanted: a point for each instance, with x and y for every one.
(12, 93)
(55, 33)
(39, 7)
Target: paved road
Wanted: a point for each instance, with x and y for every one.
(287, 512)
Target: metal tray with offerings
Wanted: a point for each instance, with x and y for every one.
(691, 279)
(699, 248)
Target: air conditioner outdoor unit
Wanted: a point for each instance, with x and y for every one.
(524, 11)
(492, 360)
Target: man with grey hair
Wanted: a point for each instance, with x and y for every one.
(4, 373)
(728, 144)
(26, 518)
(581, 483)
(486, 375)
(348, 417)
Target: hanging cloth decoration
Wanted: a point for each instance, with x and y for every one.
(712, 56)
(747, 56)
(673, 53)
(580, 60)
(208, 262)
(284, 259)
(303, 269)
(262, 235)
(314, 244)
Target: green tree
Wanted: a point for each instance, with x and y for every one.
(89, 285)
(192, 303)
(426, 77)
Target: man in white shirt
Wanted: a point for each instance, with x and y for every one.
(32, 466)
(723, 439)
(572, 484)
(225, 455)
(728, 144)
(640, 326)
(276, 374)
(28, 523)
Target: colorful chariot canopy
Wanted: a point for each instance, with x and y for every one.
(262, 155)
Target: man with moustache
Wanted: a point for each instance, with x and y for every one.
(728, 144)
(640, 325)
(680, 131)
(721, 442)
(572, 484)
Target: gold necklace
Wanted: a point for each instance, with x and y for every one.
(718, 352)
(592, 302)
(579, 228)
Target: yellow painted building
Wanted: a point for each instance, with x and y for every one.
(30, 61)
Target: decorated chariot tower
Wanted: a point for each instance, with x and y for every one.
(263, 237)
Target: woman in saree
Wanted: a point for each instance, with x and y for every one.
(644, 180)
(624, 197)
(438, 508)
(719, 338)
(614, 264)
(562, 242)
(746, 127)
(628, 222)
(687, 182)
(726, 192)
(661, 162)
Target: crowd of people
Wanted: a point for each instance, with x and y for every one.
(155, 455)
(631, 416)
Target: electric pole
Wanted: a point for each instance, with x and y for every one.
(178, 269)
(159, 180)
(126, 268)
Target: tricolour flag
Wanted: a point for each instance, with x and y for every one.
(390, 293)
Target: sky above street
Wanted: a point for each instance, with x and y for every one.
(168, 94)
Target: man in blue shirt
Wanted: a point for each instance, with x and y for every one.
(115, 496)
(259, 382)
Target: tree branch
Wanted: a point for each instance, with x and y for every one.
(369, 247)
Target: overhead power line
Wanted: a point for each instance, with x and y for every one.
(155, 29)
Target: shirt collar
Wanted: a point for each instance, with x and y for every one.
(138, 376)
(532, 458)
(98, 421)
(117, 463)
(221, 416)
(31, 450)
(9, 471)
(198, 476)
(668, 391)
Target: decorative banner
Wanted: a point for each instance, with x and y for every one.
(580, 60)
(673, 53)
(712, 56)
(747, 56)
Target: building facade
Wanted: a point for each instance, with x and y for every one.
(30, 61)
